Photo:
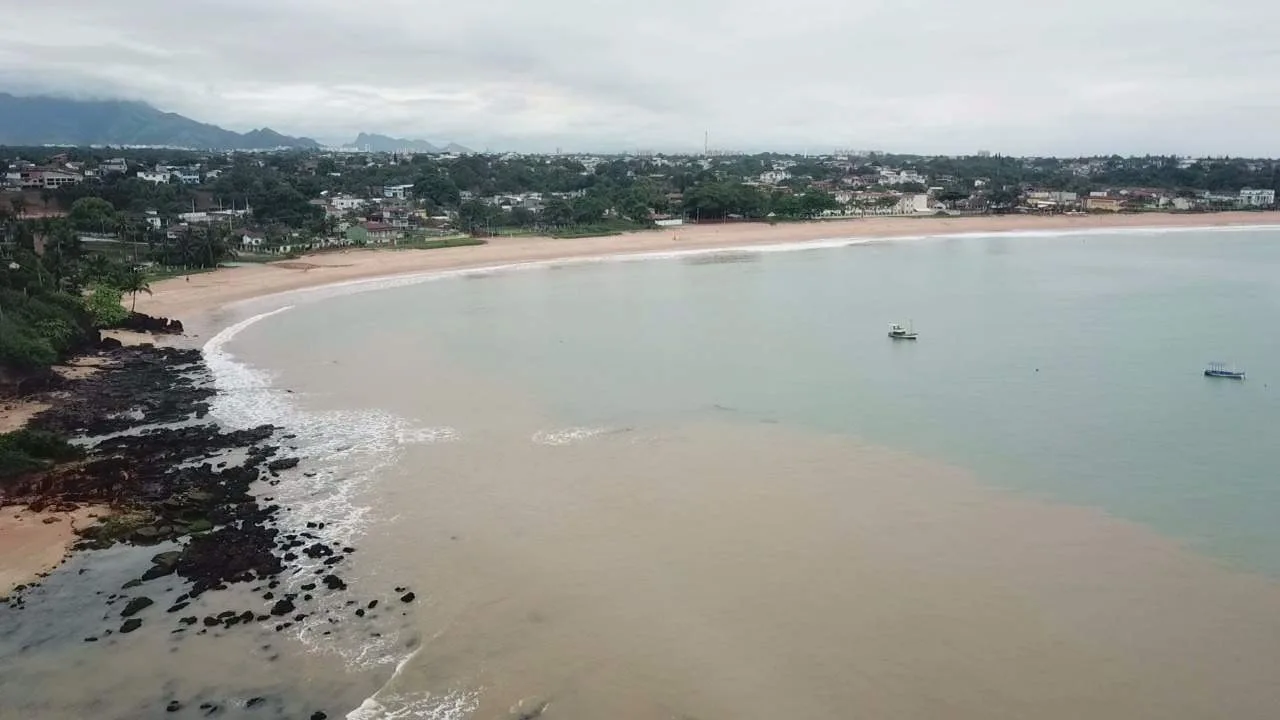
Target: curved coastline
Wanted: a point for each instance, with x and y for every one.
(373, 276)
(198, 298)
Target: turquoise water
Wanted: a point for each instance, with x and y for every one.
(1067, 367)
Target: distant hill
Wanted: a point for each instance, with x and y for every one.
(373, 142)
(459, 149)
(43, 120)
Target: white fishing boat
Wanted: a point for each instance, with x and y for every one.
(898, 332)
(1220, 370)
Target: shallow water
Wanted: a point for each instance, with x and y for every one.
(711, 487)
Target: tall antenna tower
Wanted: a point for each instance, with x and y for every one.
(706, 142)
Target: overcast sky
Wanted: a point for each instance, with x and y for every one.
(928, 76)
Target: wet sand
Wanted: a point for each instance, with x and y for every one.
(29, 545)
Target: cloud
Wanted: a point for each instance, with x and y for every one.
(1090, 76)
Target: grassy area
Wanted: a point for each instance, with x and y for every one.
(156, 272)
(614, 227)
(517, 232)
(437, 243)
(584, 233)
(23, 451)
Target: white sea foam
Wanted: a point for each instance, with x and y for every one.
(453, 706)
(393, 706)
(567, 436)
(346, 449)
(368, 441)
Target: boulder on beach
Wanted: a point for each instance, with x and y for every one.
(135, 606)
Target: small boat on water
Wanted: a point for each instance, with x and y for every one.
(1220, 370)
(898, 332)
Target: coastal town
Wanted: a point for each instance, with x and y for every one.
(171, 206)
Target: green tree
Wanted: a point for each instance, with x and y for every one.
(134, 281)
(92, 214)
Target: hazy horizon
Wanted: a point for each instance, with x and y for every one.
(927, 76)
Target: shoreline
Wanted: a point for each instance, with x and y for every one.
(35, 543)
(197, 298)
(200, 295)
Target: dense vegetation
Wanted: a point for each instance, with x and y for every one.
(581, 193)
(22, 451)
(53, 301)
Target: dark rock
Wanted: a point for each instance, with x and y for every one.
(189, 620)
(373, 604)
(143, 323)
(173, 706)
(91, 639)
(246, 616)
(211, 621)
(308, 587)
(268, 596)
(407, 597)
(317, 715)
(128, 586)
(400, 589)
(282, 607)
(254, 702)
(283, 464)
(136, 605)
(333, 582)
(318, 550)
(178, 607)
(130, 625)
(360, 612)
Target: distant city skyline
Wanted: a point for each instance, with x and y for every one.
(922, 76)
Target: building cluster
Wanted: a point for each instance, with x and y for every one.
(854, 185)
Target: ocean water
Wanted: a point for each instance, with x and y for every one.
(709, 485)
(667, 488)
(1064, 366)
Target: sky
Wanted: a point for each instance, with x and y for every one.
(925, 76)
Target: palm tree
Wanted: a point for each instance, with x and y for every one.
(98, 268)
(133, 282)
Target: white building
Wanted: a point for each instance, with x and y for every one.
(1257, 198)
(773, 177)
(397, 192)
(900, 177)
(346, 203)
(251, 240)
(159, 178)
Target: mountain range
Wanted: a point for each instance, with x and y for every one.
(372, 142)
(43, 120)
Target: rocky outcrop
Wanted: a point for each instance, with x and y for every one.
(142, 323)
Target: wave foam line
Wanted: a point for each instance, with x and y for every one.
(348, 450)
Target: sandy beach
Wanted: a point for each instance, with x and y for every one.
(32, 543)
(201, 293)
